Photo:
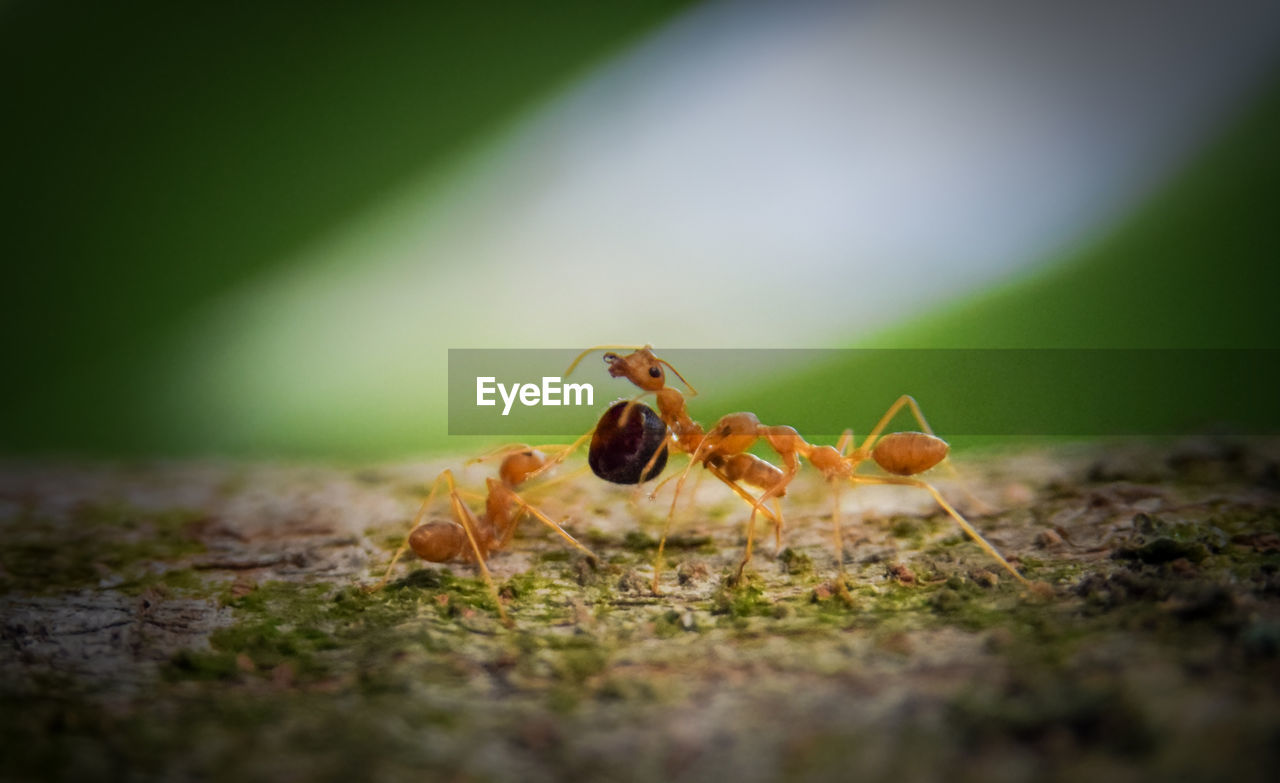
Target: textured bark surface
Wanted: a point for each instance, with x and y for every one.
(208, 621)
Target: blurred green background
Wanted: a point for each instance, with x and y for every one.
(196, 198)
(161, 155)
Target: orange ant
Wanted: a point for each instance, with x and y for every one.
(723, 451)
(470, 538)
(726, 458)
(903, 455)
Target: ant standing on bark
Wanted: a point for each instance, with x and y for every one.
(723, 451)
(725, 458)
(470, 538)
(903, 455)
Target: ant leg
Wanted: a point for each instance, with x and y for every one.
(777, 490)
(793, 465)
(626, 412)
(751, 534)
(898, 404)
(960, 520)
(742, 493)
(653, 494)
(562, 453)
(790, 446)
(573, 474)
(665, 448)
(464, 517)
(835, 526)
(751, 528)
(842, 445)
(445, 475)
(775, 515)
(499, 451)
(692, 391)
(666, 525)
(976, 503)
(544, 519)
(756, 504)
(469, 523)
(565, 451)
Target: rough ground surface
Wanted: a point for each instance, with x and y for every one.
(207, 621)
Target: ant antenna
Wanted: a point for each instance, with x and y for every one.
(692, 391)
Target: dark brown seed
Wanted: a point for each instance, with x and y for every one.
(624, 444)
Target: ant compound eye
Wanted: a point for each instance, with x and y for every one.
(654, 372)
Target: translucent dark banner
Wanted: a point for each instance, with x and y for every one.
(1042, 392)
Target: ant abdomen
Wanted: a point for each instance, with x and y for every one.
(750, 469)
(629, 437)
(909, 453)
(439, 542)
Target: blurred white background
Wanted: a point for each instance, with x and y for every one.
(753, 175)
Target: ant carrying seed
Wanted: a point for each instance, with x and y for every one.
(722, 450)
(472, 538)
(724, 458)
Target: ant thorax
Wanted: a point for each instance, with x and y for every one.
(672, 407)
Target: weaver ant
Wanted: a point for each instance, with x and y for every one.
(472, 538)
(723, 452)
(725, 458)
(616, 444)
(903, 455)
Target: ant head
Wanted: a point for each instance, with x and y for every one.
(640, 367)
(517, 465)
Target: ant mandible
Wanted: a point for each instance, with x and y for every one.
(470, 538)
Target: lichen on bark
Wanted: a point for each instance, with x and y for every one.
(211, 620)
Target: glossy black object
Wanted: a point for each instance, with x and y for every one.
(620, 451)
